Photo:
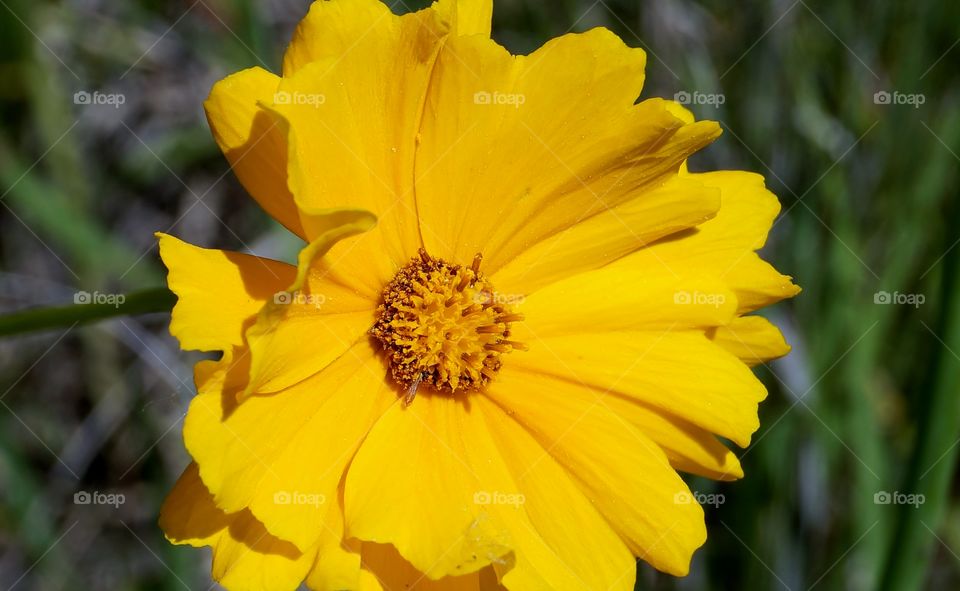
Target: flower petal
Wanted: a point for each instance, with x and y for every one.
(252, 141)
(724, 246)
(635, 488)
(327, 314)
(282, 456)
(245, 556)
(439, 461)
(467, 17)
(688, 447)
(681, 202)
(352, 138)
(412, 484)
(218, 292)
(611, 299)
(509, 156)
(391, 571)
(677, 371)
(334, 28)
(567, 521)
(751, 338)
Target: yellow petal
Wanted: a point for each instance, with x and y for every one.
(444, 474)
(390, 571)
(333, 28)
(326, 314)
(338, 563)
(678, 204)
(252, 141)
(568, 526)
(245, 556)
(624, 473)
(352, 137)
(188, 515)
(611, 299)
(751, 338)
(724, 246)
(218, 292)
(283, 455)
(412, 484)
(509, 156)
(688, 447)
(680, 372)
(467, 17)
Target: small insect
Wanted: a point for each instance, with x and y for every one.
(412, 391)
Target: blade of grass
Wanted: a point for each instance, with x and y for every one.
(935, 456)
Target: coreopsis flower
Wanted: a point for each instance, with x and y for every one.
(516, 318)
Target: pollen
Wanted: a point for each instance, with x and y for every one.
(443, 325)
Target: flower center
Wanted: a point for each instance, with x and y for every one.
(444, 325)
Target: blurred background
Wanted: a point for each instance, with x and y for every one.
(848, 109)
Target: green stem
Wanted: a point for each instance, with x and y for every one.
(142, 302)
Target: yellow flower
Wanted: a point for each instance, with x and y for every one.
(495, 379)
